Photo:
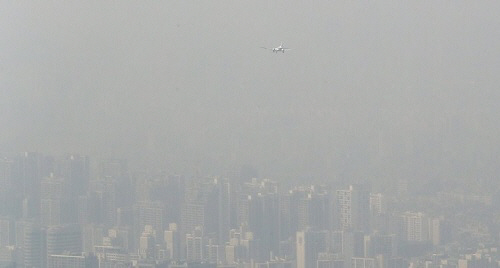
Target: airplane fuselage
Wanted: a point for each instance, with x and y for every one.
(278, 49)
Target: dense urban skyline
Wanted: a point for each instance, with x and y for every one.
(161, 134)
(56, 212)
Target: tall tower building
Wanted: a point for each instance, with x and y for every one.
(224, 210)
(107, 202)
(314, 211)
(258, 208)
(35, 252)
(6, 232)
(309, 244)
(7, 197)
(172, 242)
(174, 195)
(192, 215)
(378, 204)
(92, 236)
(353, 207)
(208, 204)
(348, 244)
(269, 235)
(414, 227)
(114, 175)
(152, 214)
(195, 244)
(147, 243)
(76, 169)
(30, 168)
(290, 217)
(53, 201)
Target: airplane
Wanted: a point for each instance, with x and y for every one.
(278, 49)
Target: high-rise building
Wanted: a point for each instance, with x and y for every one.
(258, 208)
(378, 204)
(381, 244)
(7, 233)
(348, 244)
(92, 236)
(402, 188)
(172, 242)
(53, 201)
(147, 243)
(243, 209)
(7, 193)
(314, 211)
(103, 201)
(76, 170)
(260, 213)
(269, 235)
(19, 229)
(114, 174)
(309, 244)
(195, 244)
(35, 252)
(192, 215)
(353, 207)
(215, 253)
(30, 168)
(120, 237)
(11, 257)
(290, 217)
(414, 226)
(223, 210)
(285, 217)
(436, 227)
(63, 239)
(174, 195)
(153, 214)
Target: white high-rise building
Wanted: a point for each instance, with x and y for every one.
(147, 243)
(195, 244)
(353, 207)
(172, 242)
(414, 226)
(378, 204)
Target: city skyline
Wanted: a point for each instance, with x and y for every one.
(55, 212)
(160, 134)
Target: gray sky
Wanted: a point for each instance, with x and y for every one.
(383, 89)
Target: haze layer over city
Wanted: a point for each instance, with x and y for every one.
(381, 95)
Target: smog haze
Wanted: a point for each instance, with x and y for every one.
(377, 89)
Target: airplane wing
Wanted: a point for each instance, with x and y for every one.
(264, 47)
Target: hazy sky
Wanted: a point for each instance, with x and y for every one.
(383, 89)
